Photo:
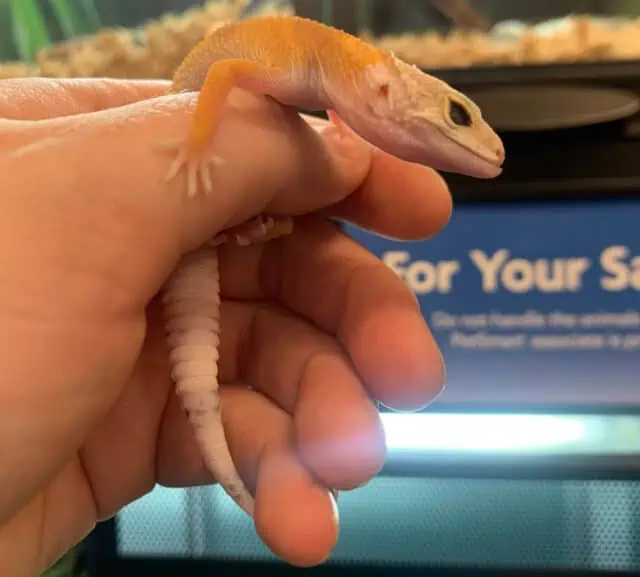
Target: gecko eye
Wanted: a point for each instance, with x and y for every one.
(458, 114)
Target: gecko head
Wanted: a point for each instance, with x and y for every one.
(422, 119)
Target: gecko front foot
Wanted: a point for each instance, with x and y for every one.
(198, 166)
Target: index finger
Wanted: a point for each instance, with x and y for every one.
(393, 200)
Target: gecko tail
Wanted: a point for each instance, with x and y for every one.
(192, 312)
(215, 451)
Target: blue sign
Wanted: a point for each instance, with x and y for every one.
(531, 303)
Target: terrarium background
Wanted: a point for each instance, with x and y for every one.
(148, 38)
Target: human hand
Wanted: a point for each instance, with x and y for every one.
(318, 326)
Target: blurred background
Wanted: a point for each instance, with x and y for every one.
(439, 33)
(528, 463)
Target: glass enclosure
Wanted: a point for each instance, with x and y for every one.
(465, 33)
(421, 520)
(405, 522)
(148, 38)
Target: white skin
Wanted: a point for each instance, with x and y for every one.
(408, 113)
(89, 232)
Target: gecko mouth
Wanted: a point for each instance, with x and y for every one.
(460, 158)
(457, 158)
(480, 167)
(430, 145)
(475, 168)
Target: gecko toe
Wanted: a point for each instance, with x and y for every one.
(205, 176)
(176, 166)
(198, 169)
(192, 179)
(207, 166)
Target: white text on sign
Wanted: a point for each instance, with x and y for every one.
(502, 271)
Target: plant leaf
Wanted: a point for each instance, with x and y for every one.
(8, 51)
(29, 28)
(91, 14)
(67, 17)
(64, 567)
(76, 18)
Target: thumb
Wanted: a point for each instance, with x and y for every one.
(42, 98)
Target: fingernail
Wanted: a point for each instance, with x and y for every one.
(333, 495)
(428, 402)
(444, 375)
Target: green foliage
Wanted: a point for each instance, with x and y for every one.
(625, 7)
(75, 20)
(28, 27)
(65, 567)
(327, 12)
(31, 25)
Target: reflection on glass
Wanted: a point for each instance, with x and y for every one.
(517, 433)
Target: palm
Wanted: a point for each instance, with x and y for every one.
(312, 322)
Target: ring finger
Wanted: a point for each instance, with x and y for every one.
(338, 432)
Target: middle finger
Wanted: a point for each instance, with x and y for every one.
(323, 275)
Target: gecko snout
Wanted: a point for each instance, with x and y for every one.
(495, 148)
